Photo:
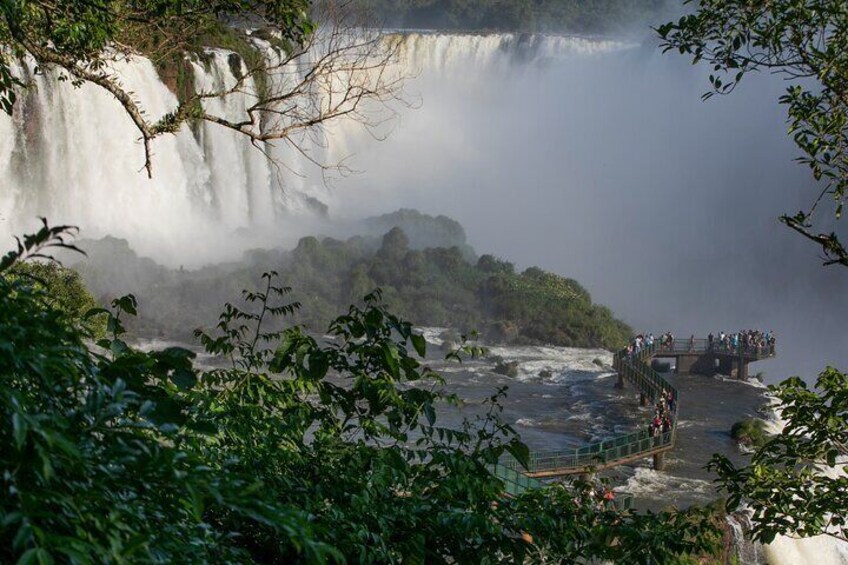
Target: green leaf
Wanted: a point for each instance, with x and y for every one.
(430, 413)
(390, 356)
(420, 344)
(19, 429)
(127, 304)
(36, 555)
(95, 312)
(520, 451)
(319, 364)
(185, 379)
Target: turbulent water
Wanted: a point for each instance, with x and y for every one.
(564, 397)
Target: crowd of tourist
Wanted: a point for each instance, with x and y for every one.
(663, 414)
(642, 341)
(745, 341)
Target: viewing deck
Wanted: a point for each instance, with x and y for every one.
(703, 358)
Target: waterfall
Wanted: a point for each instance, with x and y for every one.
(748, 552)
(787, 550)
(72, 155)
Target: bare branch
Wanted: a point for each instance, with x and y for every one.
(342, 70)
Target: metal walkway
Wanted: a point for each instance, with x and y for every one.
(636, 370)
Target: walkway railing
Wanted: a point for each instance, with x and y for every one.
(704, 346)
(516, 482)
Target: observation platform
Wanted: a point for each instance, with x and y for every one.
(702, 358)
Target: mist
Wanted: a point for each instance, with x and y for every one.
(606, 166)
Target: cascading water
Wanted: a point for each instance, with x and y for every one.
(748, 552)
(72, 155)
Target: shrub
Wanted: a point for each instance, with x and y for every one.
(750, 432)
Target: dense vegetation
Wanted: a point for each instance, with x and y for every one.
(432, 286)
(581, 16)
(306, 451)
(60, 288)
(796, 482)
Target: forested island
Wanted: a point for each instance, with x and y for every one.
(426, 271)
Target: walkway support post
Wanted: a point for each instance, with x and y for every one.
(659, 461)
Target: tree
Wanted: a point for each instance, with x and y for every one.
(806, 43)
(64, 289)
(342, 65)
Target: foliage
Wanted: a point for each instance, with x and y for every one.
(423, 231)
(63, 289)
(750, 432)
(516, 15)
(299, 451)
(81, 31)
(91, 467)
(796, 482)
(806, 43)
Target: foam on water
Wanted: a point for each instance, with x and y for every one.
(646, 481)
(560, 365)
(819, 550)
(432, 335)
(526, 422)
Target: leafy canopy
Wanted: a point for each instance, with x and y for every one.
(806, 42)
(78, 34)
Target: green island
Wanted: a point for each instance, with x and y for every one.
(431, 277)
